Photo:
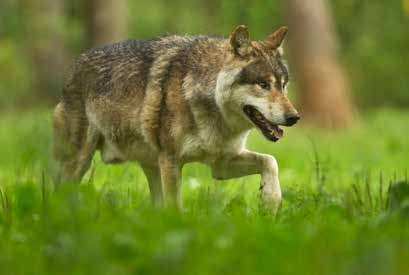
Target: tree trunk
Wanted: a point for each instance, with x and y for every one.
(45, 45)
(106, 21)
(323, 86)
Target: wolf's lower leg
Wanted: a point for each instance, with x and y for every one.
(73, 151)
(249, 163)
(152, 174)
(73, 170)
(170, 173)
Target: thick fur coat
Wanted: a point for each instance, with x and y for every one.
(176, 99)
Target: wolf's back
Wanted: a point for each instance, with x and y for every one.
(118, 67)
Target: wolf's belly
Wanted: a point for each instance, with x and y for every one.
(111, 154)
(122, 151)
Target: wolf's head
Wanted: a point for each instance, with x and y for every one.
(251, 87)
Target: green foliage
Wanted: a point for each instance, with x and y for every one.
(15, 76)
(203, 17)
(333, 219)
(374, 46)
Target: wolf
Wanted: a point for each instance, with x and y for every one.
(174, 99)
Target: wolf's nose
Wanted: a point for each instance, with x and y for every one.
(291, 119)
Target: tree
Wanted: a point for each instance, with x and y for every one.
(45, 45)
(323, 86)
(106, 21)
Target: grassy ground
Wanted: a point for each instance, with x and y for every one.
(333, 219)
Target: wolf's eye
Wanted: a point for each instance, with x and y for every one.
(265, 85)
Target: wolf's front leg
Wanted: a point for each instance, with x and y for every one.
(170, 174)
(248, 163)
(152, 174)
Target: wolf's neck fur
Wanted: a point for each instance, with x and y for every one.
(208, 84)
(232, 114)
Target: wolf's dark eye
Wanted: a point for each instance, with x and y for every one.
(265, 85)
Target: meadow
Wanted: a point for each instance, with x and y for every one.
(336, 216)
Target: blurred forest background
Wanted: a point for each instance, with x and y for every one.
(367, 40)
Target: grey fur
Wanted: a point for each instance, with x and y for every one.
(168, 101)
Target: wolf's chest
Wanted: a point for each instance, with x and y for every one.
(206, 146)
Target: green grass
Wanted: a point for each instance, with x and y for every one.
(333, 219)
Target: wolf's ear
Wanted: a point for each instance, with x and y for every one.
(275, 39)
(240, 41)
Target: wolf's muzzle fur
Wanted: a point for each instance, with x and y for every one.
(176, 99)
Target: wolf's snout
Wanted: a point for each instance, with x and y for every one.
(291, 119)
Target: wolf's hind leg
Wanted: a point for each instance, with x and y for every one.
(75, 142)
(249, 163)
(152, 174)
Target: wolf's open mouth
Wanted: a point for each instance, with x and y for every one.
(270, 131)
